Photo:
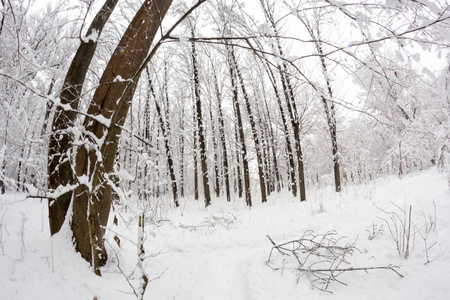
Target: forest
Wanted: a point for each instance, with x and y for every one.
(223, 149)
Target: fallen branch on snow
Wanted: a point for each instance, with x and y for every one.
(312, 249)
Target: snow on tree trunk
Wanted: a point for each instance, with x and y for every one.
(60, 172)
(103, 126)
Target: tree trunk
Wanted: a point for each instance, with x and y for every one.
(201, 134)
(262, 184)
(271, 138)
(181, 159)
(292, 108)
(240, 129)
(216, 155)
(48, 108)
(60, 146)
(195, 147)
(162, 127)
(107, 113)
(328, 106)
(222, 138)
(238, 178)
(331, 120)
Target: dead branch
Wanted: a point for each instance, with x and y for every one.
(311, 250)
(226, 220)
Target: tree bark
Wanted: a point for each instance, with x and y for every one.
(59, 154)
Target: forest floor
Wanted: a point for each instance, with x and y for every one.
(221, 252)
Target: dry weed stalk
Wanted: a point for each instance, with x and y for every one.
(375, 231)
(400, 226)
(429, 226)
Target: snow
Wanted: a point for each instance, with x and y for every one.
(183, 39)
(119, 78)
(220, 252)
(430, 74)
(122, 173)
(265, 29)
(91, 37)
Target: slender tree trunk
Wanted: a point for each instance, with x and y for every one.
(222, 138)
(238, 178)
(168, 152)
(148, 138)
(292, 108)
(109, 108)
(242, 152)
(196, 151)
(272, 143)
(331, 120)
(254, 128)
(216, 155)
(181, 159)
(328, 106)
(201, 134)
(48, 108)
(267, 170)
(60, 146)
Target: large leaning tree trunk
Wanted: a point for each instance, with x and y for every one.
(59, 166)
(106, 115)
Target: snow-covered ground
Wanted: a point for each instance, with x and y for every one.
(221, 252)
